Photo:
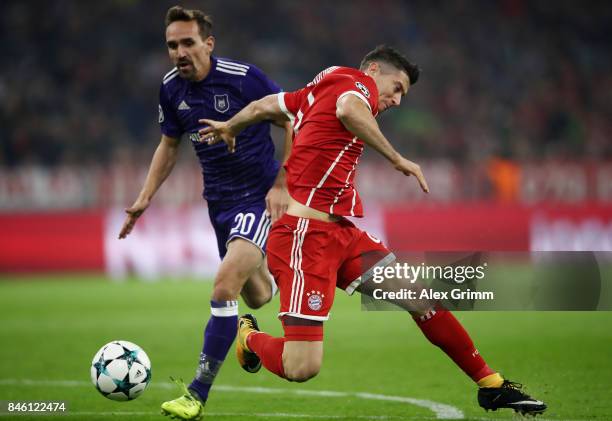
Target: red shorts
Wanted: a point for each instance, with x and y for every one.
(310, 258)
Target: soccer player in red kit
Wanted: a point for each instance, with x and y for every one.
(313, 249)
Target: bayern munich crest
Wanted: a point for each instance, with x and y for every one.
(315, 300)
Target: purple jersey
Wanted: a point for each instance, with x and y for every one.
(229, 178)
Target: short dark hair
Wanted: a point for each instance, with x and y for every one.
(390, 55)
(178, 13)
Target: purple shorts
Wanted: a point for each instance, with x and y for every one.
(246, 220)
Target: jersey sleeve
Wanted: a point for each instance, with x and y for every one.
(362, 88)
(168, 121)
(259, 85)
(291, 102)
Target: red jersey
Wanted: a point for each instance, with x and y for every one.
(324, 155)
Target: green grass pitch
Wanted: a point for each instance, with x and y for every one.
(50, 329)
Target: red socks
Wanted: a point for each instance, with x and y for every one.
(269, 350)
(444, 331)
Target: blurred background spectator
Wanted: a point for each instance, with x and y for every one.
(503, 82)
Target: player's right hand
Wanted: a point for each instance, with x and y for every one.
(277, 201)
(409, 168)
(133, 213)
(216, 132)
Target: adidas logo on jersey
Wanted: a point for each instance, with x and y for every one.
(183, 106)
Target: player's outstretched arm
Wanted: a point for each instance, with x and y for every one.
(266, 108)
(162, 163)
(358, 119)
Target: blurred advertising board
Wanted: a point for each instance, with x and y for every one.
(180, 241)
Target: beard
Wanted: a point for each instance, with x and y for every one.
(187, 71)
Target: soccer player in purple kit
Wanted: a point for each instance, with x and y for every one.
(245, 190)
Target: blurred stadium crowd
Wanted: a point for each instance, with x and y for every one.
(511, 121)
(521, 79)
(514, 102)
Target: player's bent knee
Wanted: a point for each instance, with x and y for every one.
(301, 371)
(301, 375)
(302, 359)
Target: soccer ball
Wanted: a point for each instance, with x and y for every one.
(121, 370)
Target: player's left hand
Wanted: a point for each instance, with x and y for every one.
(409, 168)
(216, 132)
(277, 201)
